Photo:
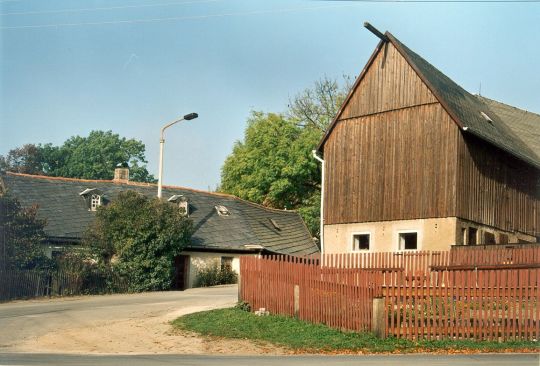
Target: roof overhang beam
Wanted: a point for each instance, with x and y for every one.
(376, 32)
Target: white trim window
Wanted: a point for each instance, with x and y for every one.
(361, 241)
(95, 202)
(408, 240)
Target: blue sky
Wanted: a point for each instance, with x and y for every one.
(71, 66)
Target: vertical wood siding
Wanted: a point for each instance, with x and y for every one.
(497, 189)
(389, 84)
(391, 166)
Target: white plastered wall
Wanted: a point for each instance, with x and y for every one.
(433, 234)
(200, 260)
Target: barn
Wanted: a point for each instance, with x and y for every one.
(412, 161)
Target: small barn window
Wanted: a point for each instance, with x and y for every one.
(361, 241)
(222, 210)
(471, 239)
(95, 202)
(489, 238)
(408, 241)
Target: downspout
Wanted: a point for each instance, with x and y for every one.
(321, 230)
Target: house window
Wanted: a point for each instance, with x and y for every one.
(471, 239)
(361, 241)
(503, 239)
(95, 202)
(408, 241)
(226, 263)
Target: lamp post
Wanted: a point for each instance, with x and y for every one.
(187, 117)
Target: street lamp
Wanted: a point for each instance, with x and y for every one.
(187, 117)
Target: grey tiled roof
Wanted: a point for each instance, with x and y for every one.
(68, 216)
(526, 125)
(466, 109)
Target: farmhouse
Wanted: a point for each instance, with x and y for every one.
(412, 161)
(225, 226)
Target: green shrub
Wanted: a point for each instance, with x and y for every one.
(243, 305)
(213, 276)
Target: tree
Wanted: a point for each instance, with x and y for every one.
(140, 237)
(273, 165)
(21, 233)
(317, 106)
(92, 157)
(27, 159)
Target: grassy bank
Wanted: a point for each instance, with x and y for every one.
(300, 336)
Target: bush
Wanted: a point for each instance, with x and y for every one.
(243, 305)
(213, 276)
(138, 238)
(21, 232)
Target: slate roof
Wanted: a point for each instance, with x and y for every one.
(526, 125)
(68, 216)
(507, 129)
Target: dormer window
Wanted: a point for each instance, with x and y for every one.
(93, 198)
(182, 202)
(95, 202)
(222, 210)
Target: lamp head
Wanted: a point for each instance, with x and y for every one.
(190, 116)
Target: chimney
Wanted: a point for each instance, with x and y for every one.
(121, 173)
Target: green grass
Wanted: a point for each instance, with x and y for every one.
(300, 336)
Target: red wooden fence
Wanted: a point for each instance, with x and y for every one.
(480, 294)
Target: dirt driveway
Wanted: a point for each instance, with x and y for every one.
(118, 324)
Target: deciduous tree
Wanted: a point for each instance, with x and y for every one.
(91, 157)
(273, 164)
(21, 233)
(139, 237)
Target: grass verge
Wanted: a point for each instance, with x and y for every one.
(301, 337)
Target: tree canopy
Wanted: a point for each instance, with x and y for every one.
(273, 164)
(91, 157)
(139, 237)
(21, 233)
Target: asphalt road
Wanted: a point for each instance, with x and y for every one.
(159, 360)
(21, 320)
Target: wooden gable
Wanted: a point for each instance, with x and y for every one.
(392, 150)
(388, 83)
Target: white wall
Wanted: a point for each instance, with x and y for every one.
(200, 260)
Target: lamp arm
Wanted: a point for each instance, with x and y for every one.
(167, 126)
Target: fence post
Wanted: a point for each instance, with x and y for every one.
(378, 322)
(296, 301)
(240, 285)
